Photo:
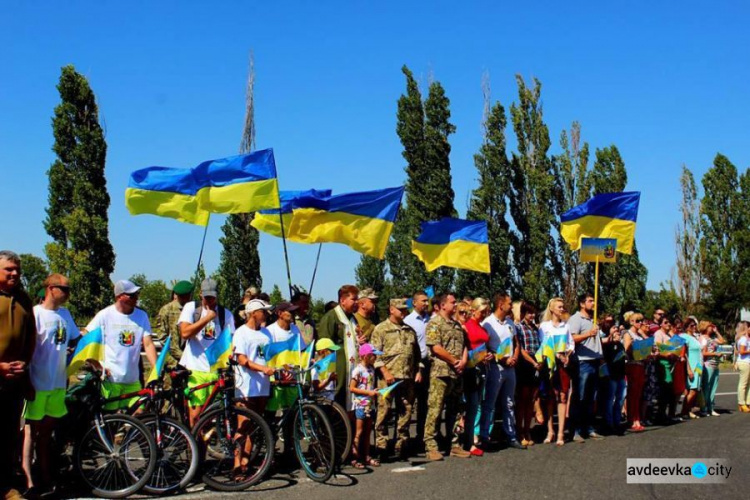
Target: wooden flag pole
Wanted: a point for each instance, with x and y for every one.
(596, 290)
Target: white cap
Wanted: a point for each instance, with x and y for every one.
(125, 286)
(257, 305)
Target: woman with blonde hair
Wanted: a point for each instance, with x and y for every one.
(743, 365)
(635, 371)
(554, 326)
(474, 376)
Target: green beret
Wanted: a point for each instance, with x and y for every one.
(183, 288)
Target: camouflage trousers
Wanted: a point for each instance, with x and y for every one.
(403, 395)
(445, 392)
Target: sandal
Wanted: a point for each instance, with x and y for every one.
(357, 464)
(239, 474)
(549, 438)
(372, 462)
(560, 440)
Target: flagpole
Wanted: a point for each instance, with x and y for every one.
(596, 290)
(200, 255)
(315, 269)
(286, 253)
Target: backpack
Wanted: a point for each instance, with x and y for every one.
(222, 313)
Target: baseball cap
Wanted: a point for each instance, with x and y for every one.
(326, 344)
(286, 306)
(399, 303)
(125, 286)
(368, 293)
(183, 287)
(257, 305)
(208, 288)
(366, 349)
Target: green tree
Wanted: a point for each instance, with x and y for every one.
(34, 272)
(77, 218)
(239, 266)
(275, 295)
(198, 276)
(154, 294)
(687, 242)
(572, 166)
(721, 224)
(370, 273)
(488, 203)
(622, 286)
(533, 199)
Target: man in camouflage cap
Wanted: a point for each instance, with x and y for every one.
(366, 313)
(446, 341)
(399, 362)
(182, 293)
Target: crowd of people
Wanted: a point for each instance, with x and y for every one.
(460, 362)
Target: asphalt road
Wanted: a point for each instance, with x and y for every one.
(595, 469)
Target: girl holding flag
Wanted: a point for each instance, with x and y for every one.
(557, 346)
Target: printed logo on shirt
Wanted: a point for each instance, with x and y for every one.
(127, 338)
(61, 335)
(209, 332)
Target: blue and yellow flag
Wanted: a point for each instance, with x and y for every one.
(325, 366)
(158, 368)
(504, 349)
(285, 352)
(238, 184)
(546, 353)
(477, 355)
(674, 346)
(642, 348)
(268, 220)
(362, 221)
(91, 346)
(455, 243)
(384, 392)
(610, 215)
(220, 351)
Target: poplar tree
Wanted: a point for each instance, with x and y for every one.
(533, 200)
(687, 243)
(488, 203)
(78, 200)
(239, 265)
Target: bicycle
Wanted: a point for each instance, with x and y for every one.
(236, 443)
(312, 432)
(178, 453)
(117, 454)
(342, 427)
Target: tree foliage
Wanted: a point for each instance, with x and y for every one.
(78, 200)
(687, 242)
(154, 294)
(34, 272)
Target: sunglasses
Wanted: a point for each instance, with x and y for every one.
(132, 295)
(463, 313)
(62, 288)
(638, 321)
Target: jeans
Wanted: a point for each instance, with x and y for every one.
(500, 385)
(473, 398)
(710, 383)
(615, 400)
(584, 395)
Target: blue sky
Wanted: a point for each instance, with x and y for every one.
(664, 81)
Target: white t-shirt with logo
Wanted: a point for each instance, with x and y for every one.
(55, 329)
(278, 334)
(123, 336)
(250, 383)
(194, 354)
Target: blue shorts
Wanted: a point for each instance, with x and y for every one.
(362, 413)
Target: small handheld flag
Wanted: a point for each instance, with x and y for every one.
(477, 355)
(220, 351)
(91, 346)
(387, 390)
(326, 366)
(505, 349)
(642, 348)
(158, 368)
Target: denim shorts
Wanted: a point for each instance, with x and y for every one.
(362, 413)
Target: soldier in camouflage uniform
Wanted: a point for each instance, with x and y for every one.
(446, 340)
(182, 293)
(400, 362)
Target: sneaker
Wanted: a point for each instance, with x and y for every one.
(714, 414)
(578, 439)
(434, 456)
(595, 435)
(744, 409)
(515, 444)
(459, 452)
(477, 452)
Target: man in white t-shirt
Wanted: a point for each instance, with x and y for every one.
(252, 383)
(200, 325)
(279, 331)
(56, 330)
(125, 328)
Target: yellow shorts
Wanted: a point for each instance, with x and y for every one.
(47, 404)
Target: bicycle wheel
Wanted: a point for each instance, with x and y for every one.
(117, 458)
(243, 434)
(178, 456)
(314, 442)
(342, 429)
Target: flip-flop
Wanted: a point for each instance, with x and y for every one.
(357, 465)
(372, 462)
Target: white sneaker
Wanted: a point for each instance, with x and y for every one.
(714, 414)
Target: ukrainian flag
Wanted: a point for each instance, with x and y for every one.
(91, 346)
(326, 366)
(285, 352)
(505, 349)
(546, 352)
(363, 221)
(453, 243)
(642, 348)
(219, 352)
(477, 355)
(268, 220)
(385, 391)
(610, 215)
(158, 369)
(238, 184)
